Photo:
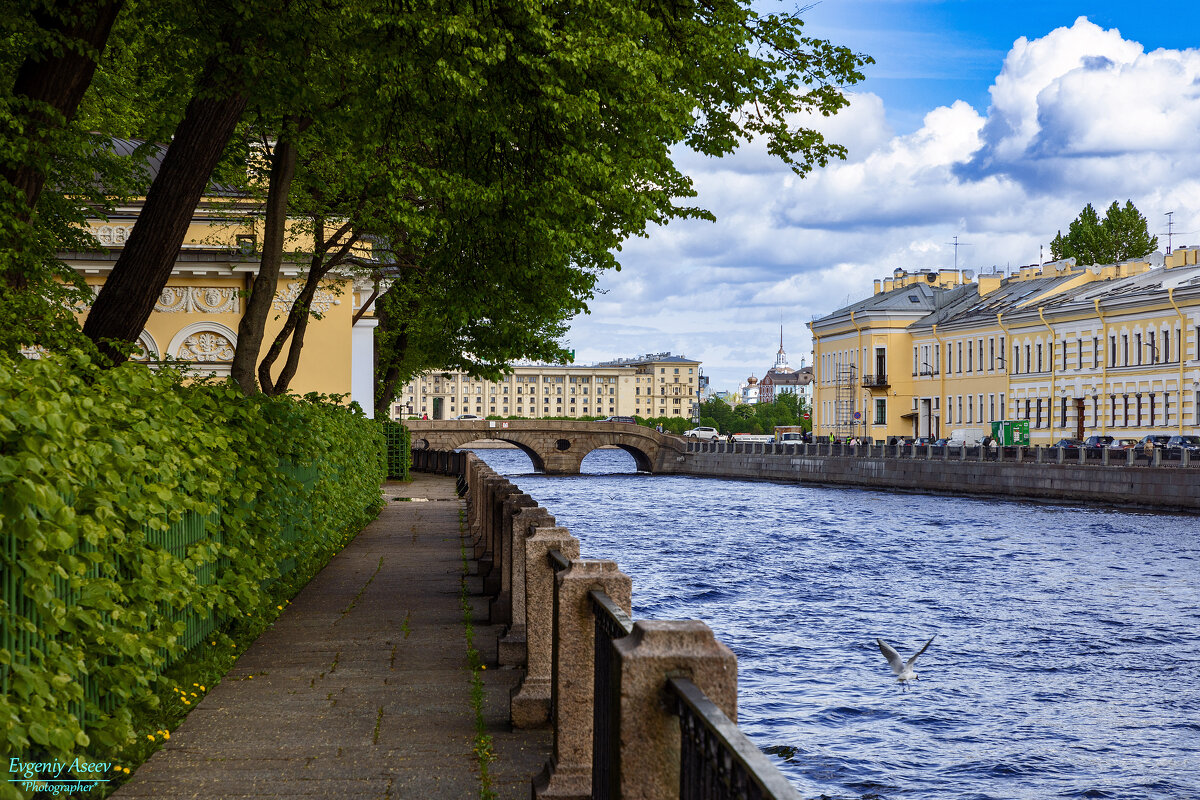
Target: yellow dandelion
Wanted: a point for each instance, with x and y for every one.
(125, 770)
(194, 694)
(187, 702)
(279, 607)
(483, 666)
(195, 684)
(251, 677)
(150, 736)
(166, 734)
(202, 688)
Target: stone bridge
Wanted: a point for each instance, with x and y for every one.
(556, 447)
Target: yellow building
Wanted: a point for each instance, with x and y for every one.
(655, 385)
(1076, 351)
(196, 317)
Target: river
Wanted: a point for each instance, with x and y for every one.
(1067, 657)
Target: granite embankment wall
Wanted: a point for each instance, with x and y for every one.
(1167, 486)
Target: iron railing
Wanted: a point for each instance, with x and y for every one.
(717, 761)
(611, 624)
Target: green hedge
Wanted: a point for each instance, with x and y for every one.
(136, 513)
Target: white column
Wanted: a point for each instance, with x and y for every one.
(362, 364)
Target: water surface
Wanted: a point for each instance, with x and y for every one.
(1067, 658)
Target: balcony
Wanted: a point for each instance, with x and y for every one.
(875, 381)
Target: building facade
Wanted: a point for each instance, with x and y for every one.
(197, 315)
(1109, 349)
(654, 385)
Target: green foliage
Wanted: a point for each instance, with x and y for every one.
(1120, 236)
(97, 470)
(752, 418)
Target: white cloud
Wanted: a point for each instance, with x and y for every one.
(1079, 115)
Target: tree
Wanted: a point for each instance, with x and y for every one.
(1120, 236)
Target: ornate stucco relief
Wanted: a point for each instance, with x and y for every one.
(321, 301)
(201, 299)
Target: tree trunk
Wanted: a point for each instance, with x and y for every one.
(144, 266)
(390, 379)
(294, 326)
(253, 324)
(50, 83)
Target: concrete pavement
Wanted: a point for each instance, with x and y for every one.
(361, 687)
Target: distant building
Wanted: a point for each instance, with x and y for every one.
(653, 385)
(782, 379)
(1105, 349)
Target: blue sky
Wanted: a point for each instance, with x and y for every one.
(929, 54)
(992, 122)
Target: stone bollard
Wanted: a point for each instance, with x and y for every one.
(1061, 454)
(495, 527)
(1130, 457)
(1041, 453)
(511, 647)
(1104, 456)
(530, 701)
(568, 774)
(500, 610)
(647, 729)
(1157, 457)
(1185, 457)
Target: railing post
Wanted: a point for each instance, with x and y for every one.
(568, 774)
(1104, 456)
(1157, 459)
(511, 648)
(1130, 457)
(1041, 454)
(1061, 454)
(500, 610)
(647, 731)
(530, 702)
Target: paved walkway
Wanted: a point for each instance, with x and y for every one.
(343, 702)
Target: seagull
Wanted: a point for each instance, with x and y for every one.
(903, 669)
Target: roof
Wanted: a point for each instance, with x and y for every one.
(153, 155)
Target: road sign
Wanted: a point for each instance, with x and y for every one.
(858, 415)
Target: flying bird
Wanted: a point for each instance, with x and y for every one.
(903, 669)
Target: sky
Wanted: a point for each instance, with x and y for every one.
(988, 123)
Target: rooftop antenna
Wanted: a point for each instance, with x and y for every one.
(957, 244)
(1170, 222)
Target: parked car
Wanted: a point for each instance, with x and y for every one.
(921, 441)
(1068, 444)
(971, 437)
(630, 420)
(703, 432)
(468, 416)
(1122, 444)
(1154, 440)
(941, 442)
(1189, 443)
(1098, 441)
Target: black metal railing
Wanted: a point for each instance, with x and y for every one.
(879, 381)
(611, 624)
(717, 761)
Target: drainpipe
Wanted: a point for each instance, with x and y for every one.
(1104, 369)
(941, 378)
(1007, 364)
(1050, 414)
(1179, 353)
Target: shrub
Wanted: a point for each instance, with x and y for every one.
(136, 512)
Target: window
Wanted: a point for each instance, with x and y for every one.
(1095, 352)
(1039, 413)
(1112, 351)
(1152, 409)
(880, 411)
(992, 354)
(970, 366)
(970, 408)
(1062, 414)
(991, 406)
(1125, 347)
(1137, 339)
(960, 358)
(1039, 357)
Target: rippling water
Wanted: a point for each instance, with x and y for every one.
(1067, 659)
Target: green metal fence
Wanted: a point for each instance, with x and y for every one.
(24, 633)
(399, 450)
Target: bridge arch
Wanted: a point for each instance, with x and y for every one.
(539, 464)
(556, 447)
